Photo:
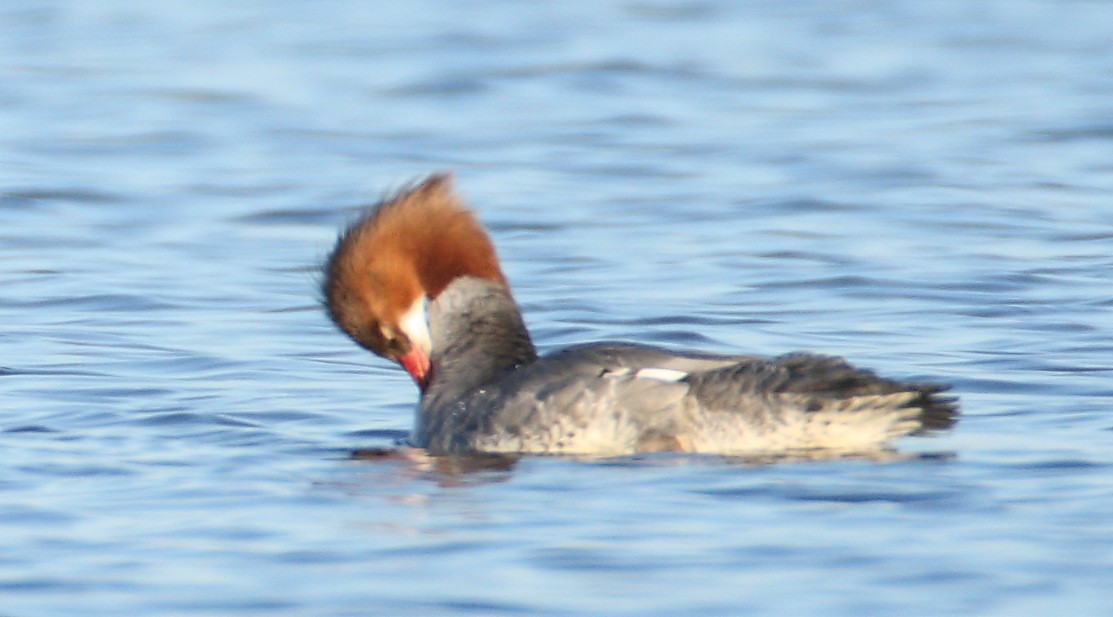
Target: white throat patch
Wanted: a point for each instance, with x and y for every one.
(415, 323)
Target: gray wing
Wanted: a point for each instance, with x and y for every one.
(817, 383)
(598, 356)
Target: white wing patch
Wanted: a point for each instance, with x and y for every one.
(661, 374)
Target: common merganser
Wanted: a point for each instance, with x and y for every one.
(417, 281)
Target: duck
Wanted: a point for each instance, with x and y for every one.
(416, 280)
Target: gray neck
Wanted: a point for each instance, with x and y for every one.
(477, 333)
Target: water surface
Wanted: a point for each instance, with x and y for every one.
(922, 187)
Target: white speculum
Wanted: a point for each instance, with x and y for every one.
(661, 374)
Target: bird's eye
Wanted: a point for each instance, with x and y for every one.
(394, 342)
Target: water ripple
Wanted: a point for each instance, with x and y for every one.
(922, 187)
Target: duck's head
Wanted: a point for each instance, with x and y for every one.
(390, 263)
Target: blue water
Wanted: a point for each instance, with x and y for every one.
(924, 187)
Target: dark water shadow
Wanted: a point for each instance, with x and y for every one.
(484, 468)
